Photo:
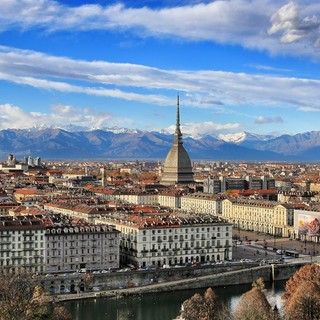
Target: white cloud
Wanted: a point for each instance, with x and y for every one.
(203, 89)
(61, 116)
(273, 25)
(204, 128)
(293, 27)
(263, 120)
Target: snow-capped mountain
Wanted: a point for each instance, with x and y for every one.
(113, 143)
(242, 137)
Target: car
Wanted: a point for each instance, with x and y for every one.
(105, 271)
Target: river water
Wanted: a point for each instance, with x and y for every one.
(158, 306)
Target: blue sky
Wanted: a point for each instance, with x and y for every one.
(238, 65)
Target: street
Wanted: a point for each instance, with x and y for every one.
(254, 245)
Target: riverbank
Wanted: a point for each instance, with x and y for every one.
(237, 277)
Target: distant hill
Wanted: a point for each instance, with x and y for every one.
(50, 143)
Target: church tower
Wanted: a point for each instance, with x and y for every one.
(177, 167)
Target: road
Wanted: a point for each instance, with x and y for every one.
(308, 251)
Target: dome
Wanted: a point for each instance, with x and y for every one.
(177, 166)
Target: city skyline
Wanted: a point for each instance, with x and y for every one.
(237, 65)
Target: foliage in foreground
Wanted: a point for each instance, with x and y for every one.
(22, 297)
(301, 301)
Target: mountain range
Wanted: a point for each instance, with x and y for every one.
(119, 143)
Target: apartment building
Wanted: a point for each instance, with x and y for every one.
(170, 198)
(260, 215)
(159, 240)
(202, 203)
(22, 244)
(70, 247)
(49, 243)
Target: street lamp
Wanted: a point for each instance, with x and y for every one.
(274, 241)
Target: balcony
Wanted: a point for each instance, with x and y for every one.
(164, 250)
(144, 251)
(153, 250)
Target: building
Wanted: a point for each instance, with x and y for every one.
(202, 203)
(212, 185)
(70, 247)
(177, 168)
(22, 244)
(260, 215)
(51, 243)
(307, 225)
(222, 184)
(160, 240)
(170, 198)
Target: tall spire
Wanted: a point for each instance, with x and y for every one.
(177, 133)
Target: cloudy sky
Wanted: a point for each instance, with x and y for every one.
(238, 65)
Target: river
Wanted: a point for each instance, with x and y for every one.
(158, 306)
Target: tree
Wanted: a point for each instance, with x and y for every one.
(259, 284)
(16, 295)
(61, 313)
(191, 308)
(304, 303)
(207, 307)
(253, 305)
(307, 274)
(22, 297)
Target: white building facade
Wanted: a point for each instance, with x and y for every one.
(258, 215)
(171, 240)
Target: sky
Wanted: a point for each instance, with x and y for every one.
(237, 65)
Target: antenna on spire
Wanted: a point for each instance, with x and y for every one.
(177, 134)
(178, 111)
